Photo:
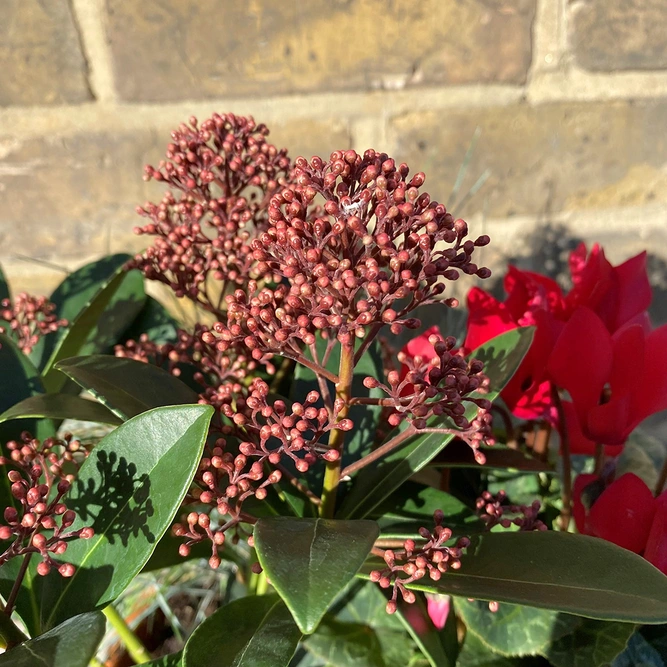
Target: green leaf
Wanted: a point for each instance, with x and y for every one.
(127, 387)
(19, 380)
(363, 606)
(477, 654)
(417, 622)
(71, 644)
(502, 356)
(60, 406)
(171, 660)
(346, 644)
(592, 644)
(459, 455)
(412, 506)
(255, 631)
(4, 286)
(310, 561)
(128, 490)
(99, 324)
(643, 455)
(155, 322)
(575, 574)
(515, 630)
(644, 649)
(73, 294)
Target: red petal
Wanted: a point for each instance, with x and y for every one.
(656, 545)
(419, 346)
(529, 293)
(609, 423)
(487, 318)
(623, 513)
(579, 443)
(651, 395)
(582, 359)
(634, 289)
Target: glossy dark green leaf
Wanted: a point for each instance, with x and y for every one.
(71, 644)
(361, 610)
(592, 644)
(574, 574)
(502, 356)
(255, 631)
(642, 650)
(515, 630)
(310, 561)
(343, 644)
(417, 622)
(412, 506)
(171, 660)
(155, 321)
(73, 294)
(475, 653)
(19, 380)
(60, 406)
(128, 490)
(4, 286)
(99, 324)
(127, 387)
(459, 455)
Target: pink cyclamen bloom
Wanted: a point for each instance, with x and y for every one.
(438, 609)
(625, 513)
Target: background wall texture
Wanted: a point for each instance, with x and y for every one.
(570, 98)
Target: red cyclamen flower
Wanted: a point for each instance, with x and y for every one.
(624, 512)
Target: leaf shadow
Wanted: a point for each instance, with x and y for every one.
(118, 502)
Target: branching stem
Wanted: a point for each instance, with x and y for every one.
(337, 440)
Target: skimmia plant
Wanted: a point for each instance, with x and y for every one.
(379, 492)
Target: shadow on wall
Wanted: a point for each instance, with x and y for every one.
(547, 249)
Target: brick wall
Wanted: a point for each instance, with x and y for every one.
(570, 98)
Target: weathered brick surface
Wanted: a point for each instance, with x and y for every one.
(612, 35)
(62, 196)
(175, 50)
(554, 157)
(40, 54)
(75, 195)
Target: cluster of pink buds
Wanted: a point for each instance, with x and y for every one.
(224, 172)
(268, 433)
(445, 386)
(29, 318)
(495, 510)
(40, 521)
(359, 247)
(214, 367)
(416, 561)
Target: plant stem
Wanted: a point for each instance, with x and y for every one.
(316, 368)
(9, 607)
(662, 479)
(566, 511)
(599, 458)
(381, 451)
(510, 435)
(132, 643)
(337, 439)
